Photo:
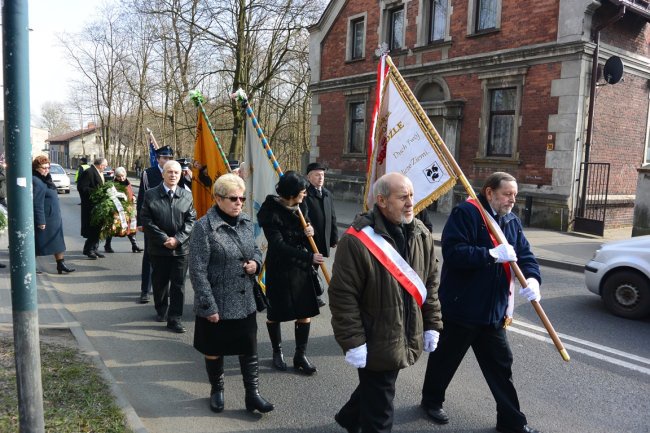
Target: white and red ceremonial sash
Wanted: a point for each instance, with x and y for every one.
(392, 261)
(506, 266)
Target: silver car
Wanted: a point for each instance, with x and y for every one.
(620, 274)
(60, 178)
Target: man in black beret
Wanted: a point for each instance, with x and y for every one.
(320, 209)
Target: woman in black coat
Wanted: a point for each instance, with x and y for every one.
(47, 214)
(289, 269)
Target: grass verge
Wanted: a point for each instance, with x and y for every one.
(75, 397)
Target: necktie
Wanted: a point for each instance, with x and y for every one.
(319, 193)
(171, 195)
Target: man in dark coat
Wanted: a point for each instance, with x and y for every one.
(320, 209)
(167, 218)
(89, 180)
(476, 290)
(151, 178)
(380, 324)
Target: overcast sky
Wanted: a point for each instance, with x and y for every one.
(48, 68)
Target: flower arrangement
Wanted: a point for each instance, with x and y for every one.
(112, 211)
(3, 219)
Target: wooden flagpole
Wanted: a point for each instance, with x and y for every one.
(459, 173)
(241, 97)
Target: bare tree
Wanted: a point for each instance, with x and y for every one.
(54, 118)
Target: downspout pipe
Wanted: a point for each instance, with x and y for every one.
(595, 34)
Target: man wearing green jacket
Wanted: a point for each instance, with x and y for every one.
(384, 301)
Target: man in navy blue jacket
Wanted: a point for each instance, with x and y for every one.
(476, 297)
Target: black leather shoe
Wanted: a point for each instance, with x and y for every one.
(91, 255)
(161, 318)
(321, 303)
(348, 426)
(144, 298)
(522, 429)
(176, 327)
(437, 414)
(108, 249)
(98, 254)
(2, 266)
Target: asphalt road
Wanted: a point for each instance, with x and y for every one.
(605, 387)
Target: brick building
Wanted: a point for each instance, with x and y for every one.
(507, 85)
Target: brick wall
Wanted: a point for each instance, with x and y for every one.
(620, 118)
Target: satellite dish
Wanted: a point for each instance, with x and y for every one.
(613, 70)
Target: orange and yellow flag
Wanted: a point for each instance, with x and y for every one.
(206, 154)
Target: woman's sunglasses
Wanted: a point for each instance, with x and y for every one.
(234, 199)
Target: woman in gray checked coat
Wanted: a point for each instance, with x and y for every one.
(223, 263)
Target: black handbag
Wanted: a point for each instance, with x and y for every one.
(261, 301)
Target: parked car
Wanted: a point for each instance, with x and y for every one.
(109, 173)
(620, 274)
(60, 178)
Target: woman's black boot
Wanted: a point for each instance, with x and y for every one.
(214, 367)
(134, 245)
(250, 373)
(61, 267)
(275, 334)
(300, 361)
(107, 245)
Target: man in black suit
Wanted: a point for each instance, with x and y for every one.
(320, 209)
(89, 180)
(151, 178)
(167, 217)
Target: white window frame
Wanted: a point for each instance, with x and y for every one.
(352, 20)
(472, 15)
(500, 80)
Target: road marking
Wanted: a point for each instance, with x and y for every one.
(591, 353)
(630, 356)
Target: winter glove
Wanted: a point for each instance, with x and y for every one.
(356, 357)
(431, 338)
(504, 253)
(532, 291)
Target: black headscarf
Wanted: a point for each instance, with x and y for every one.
(47, 180)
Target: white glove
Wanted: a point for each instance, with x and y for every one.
(532, 291)
(356, 357)
(431, 338)
(504, 253)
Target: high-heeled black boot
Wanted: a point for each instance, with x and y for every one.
(250, 373)
(107, 245)
(134, 245)
(61, 267)
(275, 334)
(300, 361)
(214, 367)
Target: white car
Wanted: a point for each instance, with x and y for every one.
(620, 274)
(60, 178)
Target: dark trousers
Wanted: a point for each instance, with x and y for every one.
(371, 404)
(168, 282)
(145, 278)
(490, 345)
(92, 241)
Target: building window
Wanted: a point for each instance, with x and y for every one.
(396, 29)
(357, 38)
(502, 122)
(437, 20)
(483, 16)
(356, 128)
(501, 114)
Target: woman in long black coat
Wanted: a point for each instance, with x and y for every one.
(290, 275)
(47, 214)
